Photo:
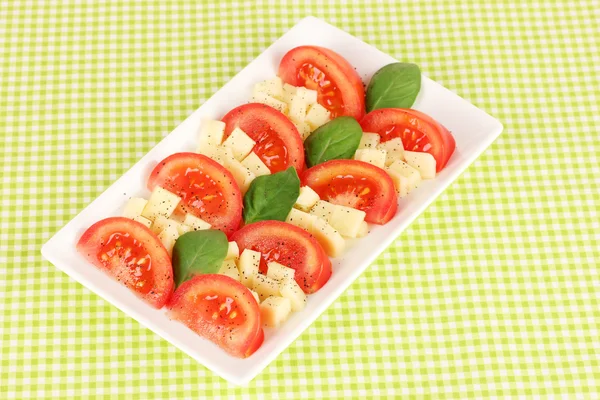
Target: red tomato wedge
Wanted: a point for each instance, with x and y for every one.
(338, 85)
(220, 309)
(290, 246)
(278, 143)
(207, 189)
(355, 184)
(132, 254)
(418, 131)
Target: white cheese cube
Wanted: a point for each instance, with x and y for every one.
(240, 143)
(297, 110)
(307, 96)
(288, 93)
(183, 229)
(363, 230)
(323, 209)
(210, 133)
(332, 242)
(279, 272)
(255, 295)
(134, 207)
(219, 154)
(161, 202)
(161, 223)
(143, 221)
(229, 269)
(233, 251)
(290, 289)
(401, 182)
(394, 150)
(405, 177)
(307, 198)
(197, 224)
(255, 165)
(347, 221)
(421, 161)
(369, 140)
(168, 237)
(263, 98)
(242, 175)
(372, 156)
(317, 115)
(303, 129)
(275, 310)
(272, 87)
(248, 264)
(265, 286)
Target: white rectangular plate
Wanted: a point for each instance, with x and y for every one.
(473, 129)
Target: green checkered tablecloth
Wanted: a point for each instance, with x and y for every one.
(493, 292)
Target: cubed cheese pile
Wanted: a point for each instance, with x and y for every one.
(234, 153)
(157, 214)
(406, 168)
(299, 104)
(277, 292)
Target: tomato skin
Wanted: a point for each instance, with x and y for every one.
(290, 246)
(439, 141)
(192, 305)
(337, 181)
(91, 243)
(226, 215)
(255, 120)
(336, 69)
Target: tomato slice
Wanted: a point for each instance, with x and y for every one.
(207, 189)
(418, 131)
(338, 85)
(278, 143)
(220, 309)
(355, 184)
(290, 246)
(130, 252)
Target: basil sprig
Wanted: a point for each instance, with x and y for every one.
(394, 86)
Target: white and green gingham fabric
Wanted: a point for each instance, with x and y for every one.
(493, 292)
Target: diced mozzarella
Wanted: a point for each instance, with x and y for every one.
(134, 207)
(401, 182)
(421, 161)
(263, 98)
(161, 202)
(219, 154)
(405, 177)
(275, 310)
(210, 133)
(168, 237)
(229, 269)
(363, 230)
(182, 229)
(332, 242)
(233, 251)
(394, 150)
(347, 221)
(265, 286)
(242, 175)
(290, 289)
(307, 198)
(279, 272)
(372, 156)
(255, 165)
(369, 140)
(248, 264)
(142, 220)
(307, 96)
(297, 111)
(197, 224)
(255, 295)
(240, 143)
(272, 87)
(288, 93)
(303, 130)
(317, 115)
(323, 209)
(161, 223)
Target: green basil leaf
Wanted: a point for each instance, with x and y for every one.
(339, 138)
(271, 197)
(198, 252)
(394, 86)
